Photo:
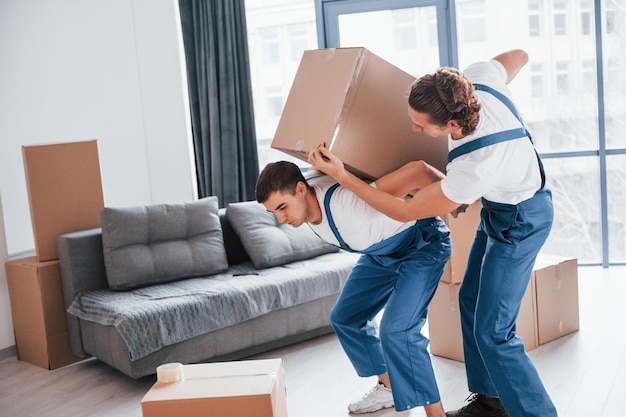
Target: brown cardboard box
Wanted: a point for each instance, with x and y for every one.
(233, 389)
(556, 281)
(549, 308)
(64, 191)
(444, 326)
(38, 312)
(357, 104)
(462, 232)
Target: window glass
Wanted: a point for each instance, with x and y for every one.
(614, 44)
(536, 79)
(562, 78)
(279, 31)
(270, 48)
(534, 15)
(274, 101)
(405, 37)
(560, 22)
(557, 91)
(588, 72)
(586, 16)
(405, 30)
(298, 37)
(473, 20)
(557, 95)
(576, 230)
(612, 16)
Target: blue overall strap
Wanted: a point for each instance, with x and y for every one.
(387, 246)
(329, 216)
(500, 136)
(486, 141)
(504, 99)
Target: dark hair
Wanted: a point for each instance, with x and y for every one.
(446, 95)
(280, 176)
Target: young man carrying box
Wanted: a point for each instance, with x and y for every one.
(399, 270)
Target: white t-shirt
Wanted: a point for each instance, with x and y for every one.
(359, 225)
(506, 172)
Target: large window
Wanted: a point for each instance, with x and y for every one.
(279, 31)
(573, 104)
(559, 96)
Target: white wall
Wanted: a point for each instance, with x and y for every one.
(109, 70)
(6, 329)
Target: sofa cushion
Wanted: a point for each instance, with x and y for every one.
(269, 243)
(164, 242)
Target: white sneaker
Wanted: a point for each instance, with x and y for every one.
(376, 399)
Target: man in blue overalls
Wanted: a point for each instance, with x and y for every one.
(399, 270)
(491, 157)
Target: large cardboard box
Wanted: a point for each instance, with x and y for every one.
(64, 191)
(356, 103)
(38, 312)
(462, 232)
(549, 308)
(222, 389)
(444, 325)
(556, 281)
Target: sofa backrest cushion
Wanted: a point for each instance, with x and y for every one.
(164, 242)
(269, 243)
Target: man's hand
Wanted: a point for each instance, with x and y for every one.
(323, 160)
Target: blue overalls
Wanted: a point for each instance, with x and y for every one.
(400, 274)
(498, 271)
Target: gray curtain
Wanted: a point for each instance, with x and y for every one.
(220, 96)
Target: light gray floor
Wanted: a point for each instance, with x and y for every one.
(585, 372)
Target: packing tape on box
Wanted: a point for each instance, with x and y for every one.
(170, 372)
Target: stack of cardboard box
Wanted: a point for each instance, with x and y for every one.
(65, 195)
(548, 311)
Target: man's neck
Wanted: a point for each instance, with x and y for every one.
(314, 208)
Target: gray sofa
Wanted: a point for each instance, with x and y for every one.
(193, 283)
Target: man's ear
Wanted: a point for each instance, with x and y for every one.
(301, 188)
(453, 124)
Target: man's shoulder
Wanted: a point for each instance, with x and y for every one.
(485, 72)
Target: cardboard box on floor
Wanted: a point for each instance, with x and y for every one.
(356, 103)
(38, 313)
(64, 191)
(549, 308)
(233, 389)
(556, 282)
(444, 326)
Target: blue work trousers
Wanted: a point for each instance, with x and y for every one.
(499, 268)
(403, 282)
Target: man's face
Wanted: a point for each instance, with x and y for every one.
(288, 208)
(421, 122)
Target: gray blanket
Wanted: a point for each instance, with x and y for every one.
(152, 317)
